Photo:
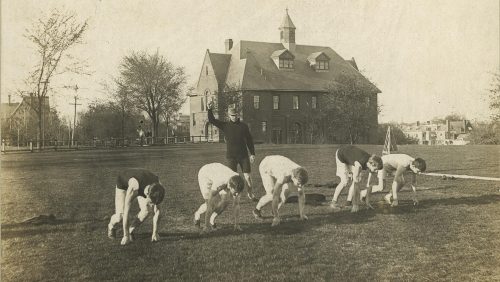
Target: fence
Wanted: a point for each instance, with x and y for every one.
(61, 145)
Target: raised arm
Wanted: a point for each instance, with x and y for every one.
(214, 121)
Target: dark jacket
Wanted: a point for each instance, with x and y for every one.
(238, 137)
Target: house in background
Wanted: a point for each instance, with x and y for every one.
(282, 86)
(20, 122)
(447, 133)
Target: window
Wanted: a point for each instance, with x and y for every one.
(256, 100)
(276, 102)
(202, 104)
(314, 103)
(264, 126)
(286, 64)
(323, 65)
(295, 102)
(194, 121)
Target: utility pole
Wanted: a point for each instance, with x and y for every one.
(74, 119)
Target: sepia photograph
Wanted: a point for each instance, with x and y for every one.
(250, 140)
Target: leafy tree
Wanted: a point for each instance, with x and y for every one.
(397, 134)
(104, 120)
(494, 96)
(53, 37)
(155, 86)
(349, 107)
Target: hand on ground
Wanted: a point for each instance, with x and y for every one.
(355, 208)
(155, 237)
(276, 221)
(304, 217)
(126, 240)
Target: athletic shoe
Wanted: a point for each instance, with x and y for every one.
(348, 204)
(111, 233)
(335, 205)
(257, 214)
(213, 226)
(197, 223)
(387, 198)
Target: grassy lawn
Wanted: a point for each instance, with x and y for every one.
(453, 234)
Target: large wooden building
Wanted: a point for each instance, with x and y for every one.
(281, 84)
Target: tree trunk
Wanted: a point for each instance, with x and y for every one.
(40, 125)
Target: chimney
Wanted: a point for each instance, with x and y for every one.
(9, 99)
(229, 44)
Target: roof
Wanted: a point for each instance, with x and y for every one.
(220, 62)
(287, 22)
(7, 109)
(278, 53)
(251, 68)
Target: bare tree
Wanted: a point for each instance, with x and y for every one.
(154, 85)
(53, 37)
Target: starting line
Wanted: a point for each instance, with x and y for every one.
(462, 176)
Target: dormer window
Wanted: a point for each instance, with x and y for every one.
(323, 65)
(319, 61)
(283, 59)
(286, 64)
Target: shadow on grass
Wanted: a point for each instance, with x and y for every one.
(290, 224)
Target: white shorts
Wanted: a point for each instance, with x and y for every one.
(206, 187)
(144, 203)
(344, 171)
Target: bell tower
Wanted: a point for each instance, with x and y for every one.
(287, 32)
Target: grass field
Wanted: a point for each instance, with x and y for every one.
(453, 234)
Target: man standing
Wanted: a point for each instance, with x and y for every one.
(238, 140)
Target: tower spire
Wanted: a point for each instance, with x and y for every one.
(287, 32)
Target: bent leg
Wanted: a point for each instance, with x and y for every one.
(145, 209)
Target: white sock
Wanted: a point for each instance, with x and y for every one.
(212, 218)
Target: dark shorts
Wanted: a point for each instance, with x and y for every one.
(244, 163)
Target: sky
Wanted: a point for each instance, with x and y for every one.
(429, 58)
